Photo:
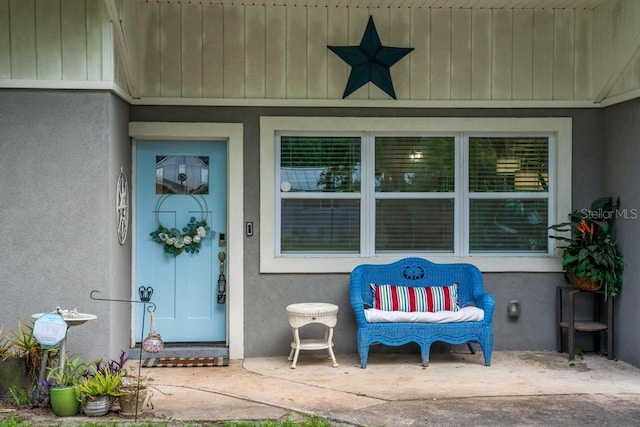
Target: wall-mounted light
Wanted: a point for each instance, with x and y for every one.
(513, 309)
(507, 165)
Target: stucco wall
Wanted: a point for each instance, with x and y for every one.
(60, 153)
(266, 295)
(119, 285)
(622, 176)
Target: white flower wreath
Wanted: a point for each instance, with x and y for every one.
(188, 240)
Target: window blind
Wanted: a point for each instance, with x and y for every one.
(415, 164)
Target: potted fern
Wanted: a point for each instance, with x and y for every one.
(591, 257)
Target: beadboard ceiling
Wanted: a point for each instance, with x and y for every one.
(455, 4)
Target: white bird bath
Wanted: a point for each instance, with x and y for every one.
(71, 318)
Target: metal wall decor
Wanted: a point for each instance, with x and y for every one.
(122, 206)
(370, 62)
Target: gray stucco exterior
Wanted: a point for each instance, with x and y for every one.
(266, 294)
(61, 154)
(621, 153)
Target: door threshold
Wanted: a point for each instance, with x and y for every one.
(184, 350)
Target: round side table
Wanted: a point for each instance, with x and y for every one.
(303, 314)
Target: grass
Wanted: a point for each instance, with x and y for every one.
(14, 420)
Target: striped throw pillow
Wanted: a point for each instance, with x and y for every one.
(407, 298)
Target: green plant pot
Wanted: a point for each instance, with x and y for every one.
(13, 372)
(64, 401)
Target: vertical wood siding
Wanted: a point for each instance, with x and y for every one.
(195, 50)
(53, 40)
(616, 68)
(280, 52)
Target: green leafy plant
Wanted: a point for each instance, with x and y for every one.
(591, 252)
(22, 343)
(72, 373)
(5, 345)
(21, 398)
(100, 383)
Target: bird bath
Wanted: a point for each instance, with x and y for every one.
(71, 318)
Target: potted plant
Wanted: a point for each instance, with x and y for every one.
(20, 358)
(591, 258)
(133, 393)
(98, 388)
(63, 393)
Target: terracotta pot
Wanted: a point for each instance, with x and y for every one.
(585, 284)
(128, 402)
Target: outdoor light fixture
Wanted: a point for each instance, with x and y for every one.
(514, 309)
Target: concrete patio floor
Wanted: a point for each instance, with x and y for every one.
(519, 388)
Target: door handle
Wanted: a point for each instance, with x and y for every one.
(222, 280)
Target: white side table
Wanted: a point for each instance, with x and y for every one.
(303, 314)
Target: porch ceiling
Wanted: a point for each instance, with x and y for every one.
(465, 4)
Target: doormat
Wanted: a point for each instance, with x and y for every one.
(185, 362)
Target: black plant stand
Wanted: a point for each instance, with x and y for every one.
(573, 325)
(145, 299)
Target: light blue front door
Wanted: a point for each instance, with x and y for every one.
(177, 181)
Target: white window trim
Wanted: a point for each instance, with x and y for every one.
(270, 263)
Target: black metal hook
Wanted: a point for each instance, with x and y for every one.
(145, 298)
(148, 292)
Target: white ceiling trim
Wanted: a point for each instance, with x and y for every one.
(361, 103)
(419, 4)
(122, 49)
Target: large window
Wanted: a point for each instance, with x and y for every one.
(373, 194)
(402, 189)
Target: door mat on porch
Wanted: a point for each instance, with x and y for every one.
(184, 362)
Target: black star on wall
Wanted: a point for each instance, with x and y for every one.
(370, 62)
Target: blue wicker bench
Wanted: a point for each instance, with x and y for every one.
(421, 273)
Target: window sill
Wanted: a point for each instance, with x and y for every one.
(312, 264)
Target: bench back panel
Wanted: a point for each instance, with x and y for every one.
(419, 272)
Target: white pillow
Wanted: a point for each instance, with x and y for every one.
(464, 314)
